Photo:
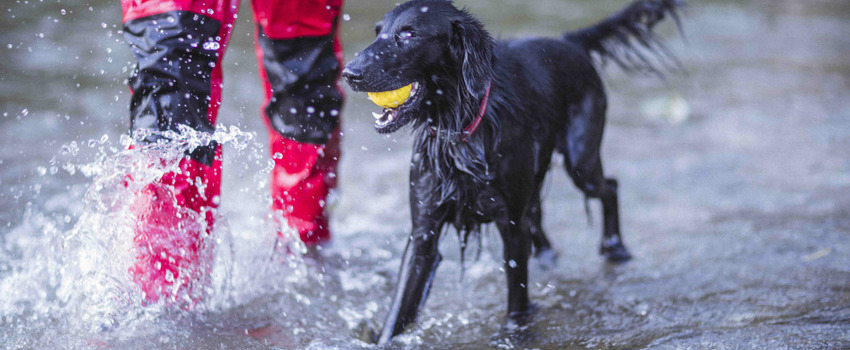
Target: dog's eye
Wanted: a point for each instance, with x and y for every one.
(404, 36)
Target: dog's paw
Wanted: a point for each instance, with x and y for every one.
(614, 251)
(514, 325)
(546, 258)
(517, 328)
(519, 319)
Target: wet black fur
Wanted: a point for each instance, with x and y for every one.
(546, 96)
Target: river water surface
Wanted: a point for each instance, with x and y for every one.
(734, 177)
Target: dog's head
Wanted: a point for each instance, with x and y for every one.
(427, 54)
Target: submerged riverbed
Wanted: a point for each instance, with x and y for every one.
(734, 177)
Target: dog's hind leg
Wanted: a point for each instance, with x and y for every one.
(581, 146)
(612, 246)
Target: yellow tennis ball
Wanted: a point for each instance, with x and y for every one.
(391, 99)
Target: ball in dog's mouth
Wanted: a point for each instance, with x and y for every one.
(392, 101)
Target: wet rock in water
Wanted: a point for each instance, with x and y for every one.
(671, 108)
(366, 332)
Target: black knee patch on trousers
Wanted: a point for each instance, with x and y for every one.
(302, 72)
(171, 83)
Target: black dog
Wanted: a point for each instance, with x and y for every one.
(486, 117)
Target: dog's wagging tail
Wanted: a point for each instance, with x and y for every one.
(486, 117)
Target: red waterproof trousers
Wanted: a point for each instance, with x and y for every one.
(179, 46)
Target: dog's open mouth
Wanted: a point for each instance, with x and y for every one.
(393, 102)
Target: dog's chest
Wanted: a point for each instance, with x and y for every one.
(467, 200)
(476, 203)
(441, 181)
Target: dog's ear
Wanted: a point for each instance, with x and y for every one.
(472, 47)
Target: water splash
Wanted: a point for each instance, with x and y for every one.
(55, 270)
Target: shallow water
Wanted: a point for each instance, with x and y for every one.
(734, 195)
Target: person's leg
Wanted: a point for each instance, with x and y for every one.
(179, 45)
(300, 60)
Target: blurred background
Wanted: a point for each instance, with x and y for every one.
(734, 177)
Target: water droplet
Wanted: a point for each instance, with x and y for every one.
(346, 17)
(63, 12)
(512, 263)
(424, 9)
(211, 45)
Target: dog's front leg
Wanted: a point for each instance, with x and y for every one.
(418, 265)
(516, 249)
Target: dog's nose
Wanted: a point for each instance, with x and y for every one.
(353, 75)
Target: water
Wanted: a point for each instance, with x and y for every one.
(735, 182)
